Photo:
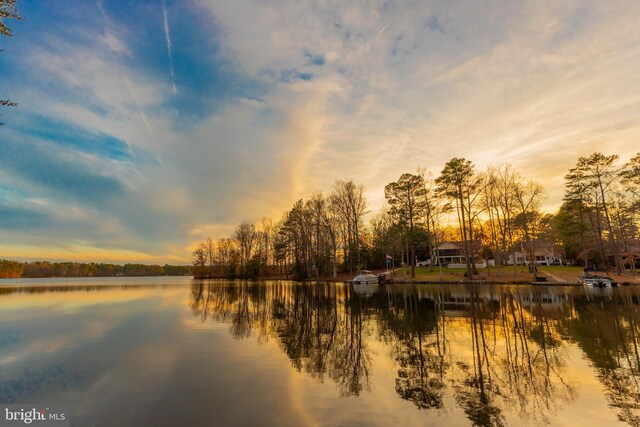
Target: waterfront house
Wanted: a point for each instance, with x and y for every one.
(545, 253)
(452, 254)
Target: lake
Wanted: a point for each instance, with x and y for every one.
(179, 352)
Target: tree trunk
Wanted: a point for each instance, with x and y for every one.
(612, 239)
(462, 221)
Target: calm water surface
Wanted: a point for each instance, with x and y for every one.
(177, 352)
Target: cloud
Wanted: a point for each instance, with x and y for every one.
(114, 43)
(65, 134)
(381, 30)
(168, 39)
(76, 176)
(510, 83)
(20, 218)
(278, 101)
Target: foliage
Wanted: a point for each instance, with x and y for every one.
(10, 269)
(498, 216)
(459, 183)
(408, 205)
(8, 10)
(15, 269)
(591, 186)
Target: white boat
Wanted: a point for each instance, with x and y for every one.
(364, 276)
(599, 281)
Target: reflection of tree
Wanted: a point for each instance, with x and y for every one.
(351, 362)
(607, 331)
(322, 335)
(476, 390)
(517, 361)
(493, 350)
(409, 325)
(229, 304)
(533, 355)
(10, 289)
(320, 330)
(510, 357)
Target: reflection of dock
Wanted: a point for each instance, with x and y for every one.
(545, 300)
(458, 300)
(457, 296)
(488, 301)
(552, 305)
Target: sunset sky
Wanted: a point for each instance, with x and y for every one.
(144, 126)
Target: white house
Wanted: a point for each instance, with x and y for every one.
(544, 252)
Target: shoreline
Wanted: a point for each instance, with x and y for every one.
(481, 281)
(621, 281)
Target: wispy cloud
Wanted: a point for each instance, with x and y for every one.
(118, 48)
(381, 30)
(167, 35)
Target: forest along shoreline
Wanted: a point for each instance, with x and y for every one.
(483, 225)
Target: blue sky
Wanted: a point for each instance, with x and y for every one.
(144, 126)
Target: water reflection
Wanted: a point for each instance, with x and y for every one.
(319, 327)
(606, 329)
(412, 355)
(492, 352)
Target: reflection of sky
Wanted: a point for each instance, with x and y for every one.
(145, 126)
(123, 358)
(142, 356)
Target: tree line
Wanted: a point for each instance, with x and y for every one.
(316, 238)
(491, 214)
(15, 269)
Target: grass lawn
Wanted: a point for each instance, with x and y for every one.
(560, 269)
(554, 273)
(455, 274)
(570, 274)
